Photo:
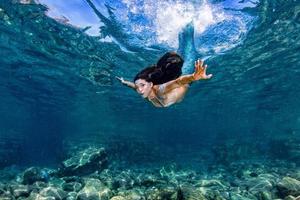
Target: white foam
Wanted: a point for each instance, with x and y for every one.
(106, 39)
(170, 17)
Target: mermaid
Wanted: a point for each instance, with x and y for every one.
(163, 84)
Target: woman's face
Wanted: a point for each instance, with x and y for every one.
(143, 87)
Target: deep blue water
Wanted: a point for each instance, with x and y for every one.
(58, 91)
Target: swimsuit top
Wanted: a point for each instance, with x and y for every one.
(160, 97)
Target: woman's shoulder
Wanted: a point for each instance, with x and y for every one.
(160, 89)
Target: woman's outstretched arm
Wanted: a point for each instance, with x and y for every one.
(199, 74)
(127, 83)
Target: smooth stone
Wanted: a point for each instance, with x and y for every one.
(50, 191)
(38, 186)
(118, 198)
(56, 182)
(211, 193)
(290, 197)
(189, 192)
(269, 177)
(71, 196)
(262, 185)
(69, 179)
(6, 195)
(32, 175)
(132, 194)
(234, 196)
(84, 162)
(39, 197)
(154, 193)
(20, 190)
(296, 175)
(210, 183)
(123, 183)
(148, 180)
(94, 189)
(73, 186)
(288, 186)
(264, 195)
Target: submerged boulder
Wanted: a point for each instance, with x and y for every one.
(188, 192)
(19, 190)
(84, 162)
(165, 192)
(33, 174)
(118, 198)
(288, 186)
(53, 192)
(94, 189)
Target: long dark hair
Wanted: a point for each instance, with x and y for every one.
(167, 68)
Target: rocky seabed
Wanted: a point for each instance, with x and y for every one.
(87, 175)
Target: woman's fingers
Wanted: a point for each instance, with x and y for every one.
(200, 70)
(119, 78)
(200, 62)
(209, 76)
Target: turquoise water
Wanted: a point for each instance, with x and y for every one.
(59, 94)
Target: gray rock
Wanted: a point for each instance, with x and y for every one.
(296, 175)
(164, 192)
(69, 179)
(7, 196)
(260, 185)
(38, 186)
(20, 190)
(72, 186)
(188, 192)
(56, 193)
(32, 175)
(36, 196)
(264, 195)
(290, 197)
(118, 198)
(234, 196)
(148, 180)
(211, 194)
(94, 189)
(134, 194)
(288, 186)
(210, 183)
(71, 196)
(84, 162)
(56, 182)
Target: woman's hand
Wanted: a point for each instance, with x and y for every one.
(200, 71)
(127, 83)
(121, 79)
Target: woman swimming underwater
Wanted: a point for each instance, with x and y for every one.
(162, 84)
